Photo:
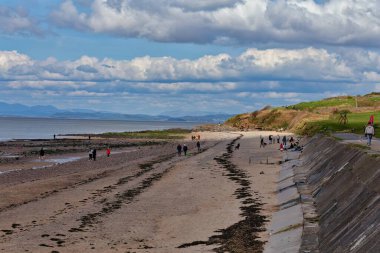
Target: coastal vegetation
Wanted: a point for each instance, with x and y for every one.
(167, 134)
(337, 114)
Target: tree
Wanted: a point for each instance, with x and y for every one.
(343, 116)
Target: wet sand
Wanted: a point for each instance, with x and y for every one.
(145, 199)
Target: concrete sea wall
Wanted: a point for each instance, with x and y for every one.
(339, 189)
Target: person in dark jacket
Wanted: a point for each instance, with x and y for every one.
(42, 153)
(179, 149)
(262, 142)
(199, 146)
(284, 140)
(184, 149)
(94, 154)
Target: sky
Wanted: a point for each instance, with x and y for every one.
(186, 56)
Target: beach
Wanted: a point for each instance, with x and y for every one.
(143, 198)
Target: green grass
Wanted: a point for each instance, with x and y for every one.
(356, 124)
(151, 134)
(347, 101)
(374, 99)
(360, 146)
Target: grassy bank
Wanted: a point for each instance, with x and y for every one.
(308, 118)
(356, 124)
(331, 102)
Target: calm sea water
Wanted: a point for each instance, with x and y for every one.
(33, 128)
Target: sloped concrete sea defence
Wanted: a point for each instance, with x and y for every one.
(339, 189)
(286, 225)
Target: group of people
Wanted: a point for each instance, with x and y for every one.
(271, 140)
(193, 137)
(183, 148)
(92, 153)
(294, 145)
(282, 141)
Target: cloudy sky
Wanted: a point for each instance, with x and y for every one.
(157, 56)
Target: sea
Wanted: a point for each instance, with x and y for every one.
(45, 128)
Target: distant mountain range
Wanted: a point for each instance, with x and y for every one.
(19, 110)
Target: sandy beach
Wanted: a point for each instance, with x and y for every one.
(143, 199)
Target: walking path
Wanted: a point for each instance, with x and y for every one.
(359, 139)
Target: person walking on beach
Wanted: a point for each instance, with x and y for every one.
(179, 149)
(42, 153)
(278, 139)
(284, 140)
(94, 154)
(369, 132)
(184, 149)
(108, 151)
(262, 143)
(90, 154)
(199, 146)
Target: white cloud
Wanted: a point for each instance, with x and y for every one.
(186, 86)
(84, 93)
(42, 84)
(300, 63)
(336, 22)
(222, 71)
(372, 76)
(270, 95)
(203, 5)
(17, 21)
(9, 59)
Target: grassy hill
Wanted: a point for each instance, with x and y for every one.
(308, 118)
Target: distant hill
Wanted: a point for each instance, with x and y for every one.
(26, 111)
(315, 116)
(19, 110)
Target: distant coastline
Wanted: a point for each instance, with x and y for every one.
(19, 110)
(46, 128)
